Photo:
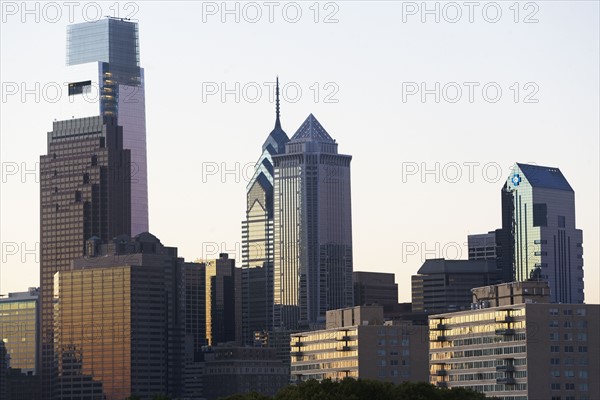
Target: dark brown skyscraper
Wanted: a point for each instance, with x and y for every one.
(84, 192)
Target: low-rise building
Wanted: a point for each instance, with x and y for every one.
(527, 351)
(358, 343)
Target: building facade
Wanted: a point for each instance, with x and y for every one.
(371, 288)
(528, 351)
(258, 236)
(84, 192)
(230, 370)
(313, 228)
(547, 243)
(223, 301)
(358, 344)
(19, 329)
(105, 78)
(120, 321)
(445, 285)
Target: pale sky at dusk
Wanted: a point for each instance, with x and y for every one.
(362, 77)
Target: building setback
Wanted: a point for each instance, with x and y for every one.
(527, 351)
(358, 344)
(313, 229)
(84, 192)
(120, 321)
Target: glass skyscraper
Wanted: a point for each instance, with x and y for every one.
(547, 244)
(257, 236)
(312, 229)
(110, 49)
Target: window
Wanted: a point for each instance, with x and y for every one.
(583, 374)
(570, 374)
(567, 324)
(581, 312)
(555, 361)
(555, 386)
(553, 311)
(540, 214)
(567, 311)
(570, 386)
(553, 335)
(568, 336)
(583, 349)
(569, 349)
(553, 323)
(554, 349)
(561, 221)
(555, 374)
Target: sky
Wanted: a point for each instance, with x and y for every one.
(435, 102)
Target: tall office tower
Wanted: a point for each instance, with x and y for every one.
(313, 229)
(547, 245)
(495, 245)
(105, 78)
(223, 301)
(194, 276)
(257, 236)
(19, 329)
(84, 192)
(119, 317)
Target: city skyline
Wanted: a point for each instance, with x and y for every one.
(222, 231)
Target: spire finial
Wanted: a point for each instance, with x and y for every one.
(277, 123)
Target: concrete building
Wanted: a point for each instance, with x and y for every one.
(230, 370)
(120, 321)
(312, 228)
(19, 329)
(528, 351)
(374, 288)
(482, 246)
(445, 285)
(546, 241)
(359, 344)
(506, 294)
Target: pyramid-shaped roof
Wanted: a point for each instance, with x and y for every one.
(312, 130)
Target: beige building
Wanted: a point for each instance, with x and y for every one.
(527, 351)
(358, 343)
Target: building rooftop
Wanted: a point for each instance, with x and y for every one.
(545, 177)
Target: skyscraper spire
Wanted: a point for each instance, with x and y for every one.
(277, 123)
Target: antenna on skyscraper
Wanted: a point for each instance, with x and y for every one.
(277, 123)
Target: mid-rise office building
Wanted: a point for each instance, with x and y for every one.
(445, 285)
(120, 321)
(526, 351)
(547, 243)
(313, 228)
(230, 370)
(482, 246)
(19, 329)
(194, 277)
(84, 192)
(358, 344)
(374, 288)
(105, 78)
(223, 301)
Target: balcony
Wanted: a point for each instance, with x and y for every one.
(343, 339)
(344, 348)
(441, 338)
(505, 332)
(297, 354)
(507, 319)
(441, 327)
(505, 368)
(441, 372)
(297, 344)
(442, 384)
(506, 381)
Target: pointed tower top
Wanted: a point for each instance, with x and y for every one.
(312, 130)
(277, 123)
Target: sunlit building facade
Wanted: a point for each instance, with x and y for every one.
(358, 344)
(19, 328)
(547, 244)
(526, 351)
(119, 321)
(84, 192)
(313, 229)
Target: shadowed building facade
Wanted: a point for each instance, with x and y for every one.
(313, 229)
(84, 192)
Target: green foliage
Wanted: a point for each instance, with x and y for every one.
(351, 389)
